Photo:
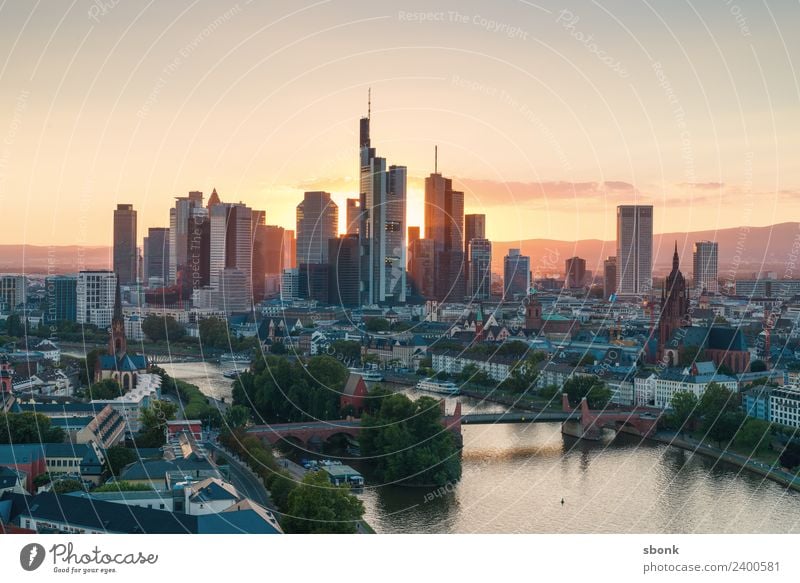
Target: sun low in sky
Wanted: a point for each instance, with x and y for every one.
(547, 114)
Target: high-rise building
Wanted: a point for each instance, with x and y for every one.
(574, 272)
(125, 251)
(231, 245)
(480, 269)
(353, 216)
(705, 266)
(156, 256)
(345, 271)
(313, 281)
(382, 225)
(634, 250)
(474, 228)
(95, 291)
(197, 272)
(421, 267)
(444, 225)
(290, 284)
(61, 298)
(12, 292)
(268, 257)
(289, 249)
(609, 277)
(413, 234)
(516, 274)
(234, 290)
(179, 224)
(317, 222)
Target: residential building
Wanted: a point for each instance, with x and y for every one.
(756, 402)
(634, 250)
(784, 406)
(670, 381)
(61, 293)
(95, 297)
(12, 292)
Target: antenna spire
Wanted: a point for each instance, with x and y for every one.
(436, 159)
(369, 102)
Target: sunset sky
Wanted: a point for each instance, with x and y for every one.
(547, 114)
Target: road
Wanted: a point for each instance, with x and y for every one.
(243, 480)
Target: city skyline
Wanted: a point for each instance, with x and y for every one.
(701, 143)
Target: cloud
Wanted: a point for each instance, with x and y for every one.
(493, 192)
(703, 185)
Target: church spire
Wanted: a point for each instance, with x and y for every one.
(117, 342)
(675, 259)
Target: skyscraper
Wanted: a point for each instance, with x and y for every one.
(317, 222)
(421, 267)
(634, 250)
(480, 269)
(344, 274)
(444, 225)
(516, 274)
(474, 228)
(705, 259)
(156, 255)
(382, 226)
(574, 272)
(353, 216)
(179, 217)
(268, 256)
(125, 251)
(609, 277)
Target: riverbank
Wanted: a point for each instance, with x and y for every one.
(689, 444)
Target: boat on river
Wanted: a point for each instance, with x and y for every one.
(438, 387)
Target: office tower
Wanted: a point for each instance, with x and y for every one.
(313, 281)
(289, 249)
(156, 256)
(382, 227)
(198, 249)
(413, 234)
(234, 290)
(353, 216)
(634, 250)
(231, 245)
(179, 217)
(574, 272)
(345, 271)
(12, 292)
(421, 268)
(95, 291)
(609, 277)
(61, 298)
(125, 251)
(516, 274)
(474, 228)
(317, 222)
(480, 269)
(268, 257)
(290, 284)
(444, 225)
(705, 266)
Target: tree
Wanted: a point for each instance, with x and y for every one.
(790, 456)
(123, 486)
(409, 443)
(15, 326)
(158, 328)
(716, 399)
(758, 366)
(377, 325)
(754, 435)
(348, 351)
(154, 423)
(684, 410)
(237, 416)
(689, 354)
(278, 348)
(87, 370)
(723, 428)
(318, 507)
(65, 486)
(597, 394)
(214, 333)
(117, 457)
(28, 427)
(106, 389)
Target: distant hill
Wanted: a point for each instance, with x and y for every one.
(754, 249)
(53, 259)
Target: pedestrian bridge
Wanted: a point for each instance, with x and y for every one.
(519, 417)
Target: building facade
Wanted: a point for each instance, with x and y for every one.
(634, 250)
(705, 260)
(126, 254)
(516, 274)
(95, 297)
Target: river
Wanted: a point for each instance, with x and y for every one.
(515, 475)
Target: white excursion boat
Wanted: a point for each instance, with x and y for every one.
(438, 387)
(369, 376)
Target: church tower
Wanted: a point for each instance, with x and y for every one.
(674, 310)
(533, 313)
(117, 342)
